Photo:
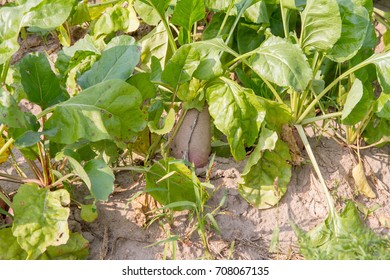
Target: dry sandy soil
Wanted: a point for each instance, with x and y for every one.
(118, 233)
(246, 232)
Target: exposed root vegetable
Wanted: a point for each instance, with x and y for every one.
(193, 139)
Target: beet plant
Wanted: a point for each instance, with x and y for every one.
(247, 75)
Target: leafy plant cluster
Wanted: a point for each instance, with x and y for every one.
(262, 69)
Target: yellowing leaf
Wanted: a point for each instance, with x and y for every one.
(4, 155)
(361, 181)
(384, 221)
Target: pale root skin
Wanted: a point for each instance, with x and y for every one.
(193, 139)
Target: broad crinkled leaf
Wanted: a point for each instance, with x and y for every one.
(235, 114)
(267, 141)
(46, 14)
(9, 247)
(170, 182)
(357, 105)
(71, 57)
(116, 62)
(101, 177)
(277, 114)
(154, 44)
(40, 84)
(199, 60)
(264, 183)
(282, 63)
(148, 14)
(316, 30)
(75, 249)
(10, 24)
(355, 23)
(342, 236)
(41, 220)
(382, 63)
(383, 106)
(109, 110)
(49, 13)
(187, 12)
(114, 19)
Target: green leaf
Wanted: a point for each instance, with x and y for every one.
(30, 138)
(95, 11)
(342, 237)
(49, 13)
(106, 150)
(148, 14)
(376, 130)
(75, 249)
(234, 113)
(277, 114)
(154, 44)
(70, 57)
(10, 113)
(63, 36)
(248, 37)
(382, 63)
(213, 27)
(115, 63)
(355, 23)
(316, 30)
(10, 24)
(102, 179)
(282, 63)
(41, 85)
(243, 5)
(80, 15)
(41, 220)
(113, 19)
(109, 110)
(217, 5)
(88, 213)
(264, 183)
(199, 60)
(179, 187)
(383, 106)
(358, 103)
(187, 12)
(159, 5)
(267, 141)
(192, 94)
(143, 83)
(9, 247)
(257, 13)
(168, 124)
(74, 161)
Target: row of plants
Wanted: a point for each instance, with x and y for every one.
(238, 78)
